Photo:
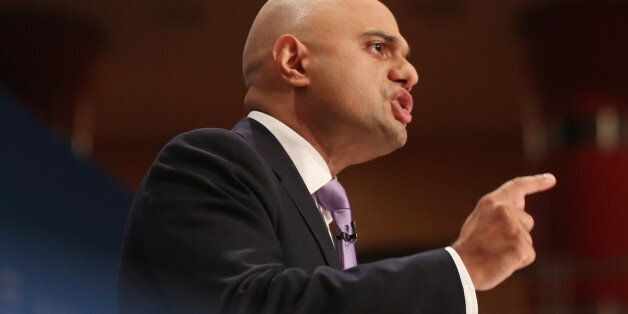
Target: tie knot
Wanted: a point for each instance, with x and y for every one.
(332, 196)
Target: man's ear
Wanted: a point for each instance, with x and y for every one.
(290, 55)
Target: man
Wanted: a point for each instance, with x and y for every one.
(233, 221)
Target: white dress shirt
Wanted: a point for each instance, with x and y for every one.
(315, 173)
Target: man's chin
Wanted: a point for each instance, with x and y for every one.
(396, 138)
(401, 139)
(401, 133)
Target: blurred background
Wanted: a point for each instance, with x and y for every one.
(91, 90)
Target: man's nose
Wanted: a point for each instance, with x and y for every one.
(404, 74)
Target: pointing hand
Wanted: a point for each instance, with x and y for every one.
(495, 239)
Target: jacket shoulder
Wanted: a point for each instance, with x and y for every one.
(209, 138)
(221, 145)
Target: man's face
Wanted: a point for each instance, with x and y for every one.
(360, 77)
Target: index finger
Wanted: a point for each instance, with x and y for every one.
(529, 185)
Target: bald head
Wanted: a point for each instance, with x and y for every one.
(303, 19)
(276, 18)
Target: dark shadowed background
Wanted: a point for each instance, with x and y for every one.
(507, 88)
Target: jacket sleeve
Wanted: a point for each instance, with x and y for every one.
(207, 216)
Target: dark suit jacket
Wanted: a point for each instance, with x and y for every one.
(223, 223)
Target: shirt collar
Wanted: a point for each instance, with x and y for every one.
(309, 163)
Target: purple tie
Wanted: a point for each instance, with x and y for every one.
(333, 198)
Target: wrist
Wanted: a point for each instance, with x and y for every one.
(469, 261)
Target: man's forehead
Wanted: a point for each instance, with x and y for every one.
(371, 20)
(350, 16)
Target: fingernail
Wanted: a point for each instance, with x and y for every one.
(548, 176)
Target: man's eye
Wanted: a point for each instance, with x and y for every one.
(377, 47)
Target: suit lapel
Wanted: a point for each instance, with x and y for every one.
(272, 151)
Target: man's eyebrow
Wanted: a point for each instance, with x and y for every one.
(386, 37)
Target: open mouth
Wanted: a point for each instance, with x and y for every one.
(402, 104)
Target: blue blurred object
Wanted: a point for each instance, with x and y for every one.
(61, 223)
